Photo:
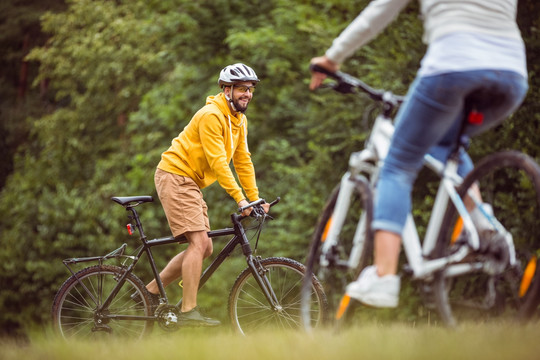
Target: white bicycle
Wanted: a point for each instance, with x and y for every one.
(461, 273)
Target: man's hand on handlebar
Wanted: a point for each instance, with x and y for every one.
(265, 206)
(317, 77)
(246, 211)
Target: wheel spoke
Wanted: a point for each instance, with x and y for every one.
(510, 183)
(75, 314)
(251, 311)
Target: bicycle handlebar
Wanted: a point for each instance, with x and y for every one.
(258, 202)
(347, 83)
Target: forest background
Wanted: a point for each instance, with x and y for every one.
(93, 91)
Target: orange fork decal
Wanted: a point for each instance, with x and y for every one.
(343, 305)
(458, 227)
(326, 229)
(528, 274)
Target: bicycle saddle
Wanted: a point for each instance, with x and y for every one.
(126, 200)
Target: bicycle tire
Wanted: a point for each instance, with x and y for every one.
(74, 309)
(249, 310)
(335, 276)
(510, 182)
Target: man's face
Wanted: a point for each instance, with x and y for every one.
(242, 93)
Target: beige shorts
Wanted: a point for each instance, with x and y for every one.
(183, 203)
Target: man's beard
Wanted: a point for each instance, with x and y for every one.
(239, 107)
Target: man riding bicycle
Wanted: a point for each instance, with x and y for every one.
(475, 62)
(198, 157)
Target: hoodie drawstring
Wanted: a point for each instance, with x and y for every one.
(245, 136)
(245, 132)
(230, 130)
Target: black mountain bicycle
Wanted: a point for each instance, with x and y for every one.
(99, 300)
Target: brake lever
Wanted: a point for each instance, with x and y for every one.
(259, 211)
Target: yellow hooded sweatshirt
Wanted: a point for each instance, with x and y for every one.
(206, 146)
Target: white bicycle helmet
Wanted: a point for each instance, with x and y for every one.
(232, 74)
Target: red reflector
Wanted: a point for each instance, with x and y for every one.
(476, 118)
(130, 229)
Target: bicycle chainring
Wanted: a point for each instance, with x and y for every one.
(168, 317)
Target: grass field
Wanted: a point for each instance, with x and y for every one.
(394, 341)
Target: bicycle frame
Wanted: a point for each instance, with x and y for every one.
(368, 161)
(421, 266)
(460, 263)
(239, 238)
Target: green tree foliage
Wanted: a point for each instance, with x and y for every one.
(125, 77)
(19, 32)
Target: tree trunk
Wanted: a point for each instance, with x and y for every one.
(23, 74)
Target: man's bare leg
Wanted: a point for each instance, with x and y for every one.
(171, 272)
(200, 247)
(174, 268)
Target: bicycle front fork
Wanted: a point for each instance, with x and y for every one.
(259, 273)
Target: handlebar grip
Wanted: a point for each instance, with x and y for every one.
(320, 69)
(278, 199)
(260, 201)
(257, 202)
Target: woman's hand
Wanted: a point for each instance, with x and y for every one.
(316, 77)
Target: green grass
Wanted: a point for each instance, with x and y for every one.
(389, 341)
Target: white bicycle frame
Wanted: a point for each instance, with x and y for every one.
(369, 161)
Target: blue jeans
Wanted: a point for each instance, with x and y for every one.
(429, 121)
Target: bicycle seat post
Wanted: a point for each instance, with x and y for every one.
(471, 118)
(135, 216)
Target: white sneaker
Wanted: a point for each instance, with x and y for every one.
(372, 290)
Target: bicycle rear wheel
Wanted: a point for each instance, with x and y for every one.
(510, 182)
(338, 267)
(250, 311)
(76, 313)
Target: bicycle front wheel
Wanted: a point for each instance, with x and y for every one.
(249, 309)
(77, 312)
(510, 182)
(338, 263)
